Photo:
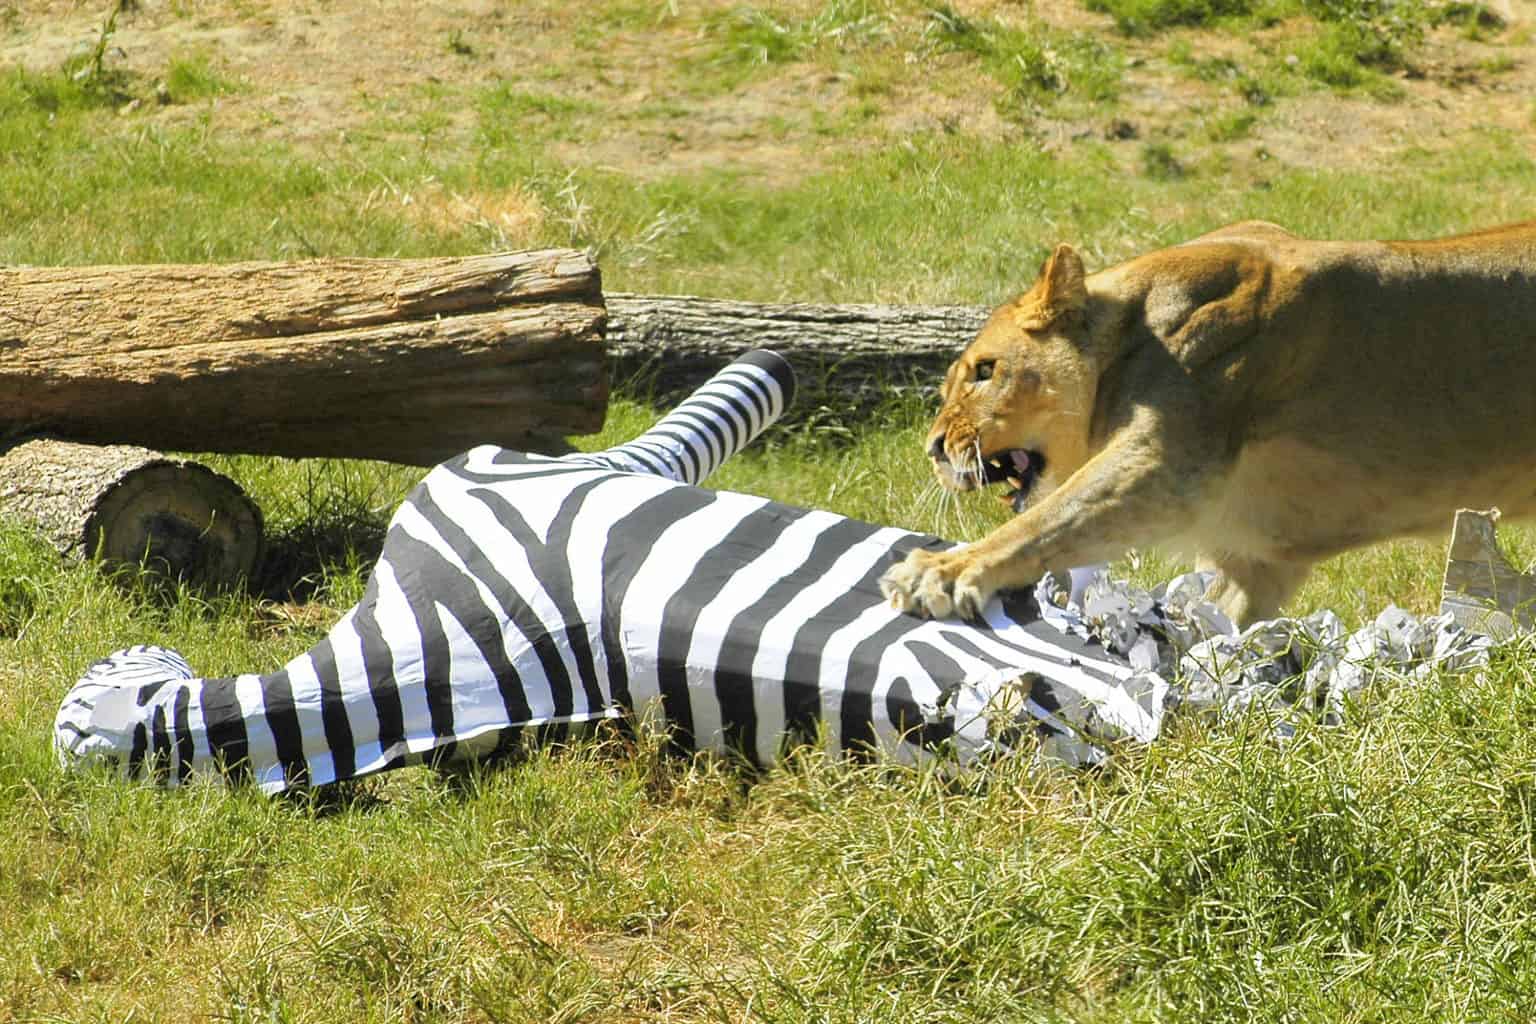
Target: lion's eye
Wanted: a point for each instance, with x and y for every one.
(984, 369)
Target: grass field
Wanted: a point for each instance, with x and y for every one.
(837, 150)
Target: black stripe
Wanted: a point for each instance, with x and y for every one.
(225, 724)
(554, 563)
(963, 643)
(138, 750)
(747, 403)
(729, 414)
(1062, 656)
(625, 546)
(1020, 606)
(283, 719)
(802, 672)
(427, 580)
(946, 673)
(333, 708)
(746, 384)
(856, 720)
(752, 535)
(743, 636)
(1049, 705)
(777, 367)
(546, 470)
(185, 748)
(640, 454)
(1066, 651)
(160, 745)
(515, 608)
(667, 460)
(686, 442)
(709, 428)
(1042, 693)
(936, 663)
(378, 670)
(148, 690)
(906, 714)
(750, 424)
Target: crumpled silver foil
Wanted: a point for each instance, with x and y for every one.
(1184, 646)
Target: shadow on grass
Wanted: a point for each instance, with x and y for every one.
(299, 557)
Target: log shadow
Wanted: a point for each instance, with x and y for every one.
(300, 556)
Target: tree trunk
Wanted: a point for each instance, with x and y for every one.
(674, 343)
(130, 506)
(406, 360)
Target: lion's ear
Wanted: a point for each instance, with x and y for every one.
(1059, 291)
(1061, 280)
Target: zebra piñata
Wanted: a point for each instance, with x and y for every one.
(517, 591)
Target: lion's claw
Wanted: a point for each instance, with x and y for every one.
(935, 585)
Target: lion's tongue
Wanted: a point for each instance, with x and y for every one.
(1023, 466)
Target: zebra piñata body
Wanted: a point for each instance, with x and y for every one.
(518, 591)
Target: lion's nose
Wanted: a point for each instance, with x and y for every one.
(936, 450)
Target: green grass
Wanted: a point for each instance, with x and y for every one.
(193, 76)
(1134, 17)
(1379, 871)
(1033, 61)
(753, 35)
(1351, 45)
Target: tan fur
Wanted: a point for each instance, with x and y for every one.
(1259, 400)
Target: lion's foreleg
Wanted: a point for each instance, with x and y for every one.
(1248, 589)
(1127, 495)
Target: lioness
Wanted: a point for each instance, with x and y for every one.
(1256, 399)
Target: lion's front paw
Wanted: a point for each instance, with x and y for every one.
(936, 585)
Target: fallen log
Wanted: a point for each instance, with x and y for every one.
(1481, 590)
(406, 360)
(674, 343)
(130, 506)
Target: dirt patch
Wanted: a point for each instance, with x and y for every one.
(650, 96)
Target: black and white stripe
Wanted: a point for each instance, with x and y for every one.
(519, 591)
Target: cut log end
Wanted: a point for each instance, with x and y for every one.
(180, 521)
(132, 507)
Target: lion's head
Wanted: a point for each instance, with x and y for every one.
(1018, 403)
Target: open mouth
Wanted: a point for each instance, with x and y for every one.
(1019, 468)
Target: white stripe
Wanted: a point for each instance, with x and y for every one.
(402, 637)
(748, 584)
(306, 705)
(836, 657)
(779, 634)
(666, 567)
(606, 505)
(356, 698)
(260, 745)
(476, 697)
(509, 559)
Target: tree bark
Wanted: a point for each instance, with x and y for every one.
(406, 360)
(132, 506)
(674, 343)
